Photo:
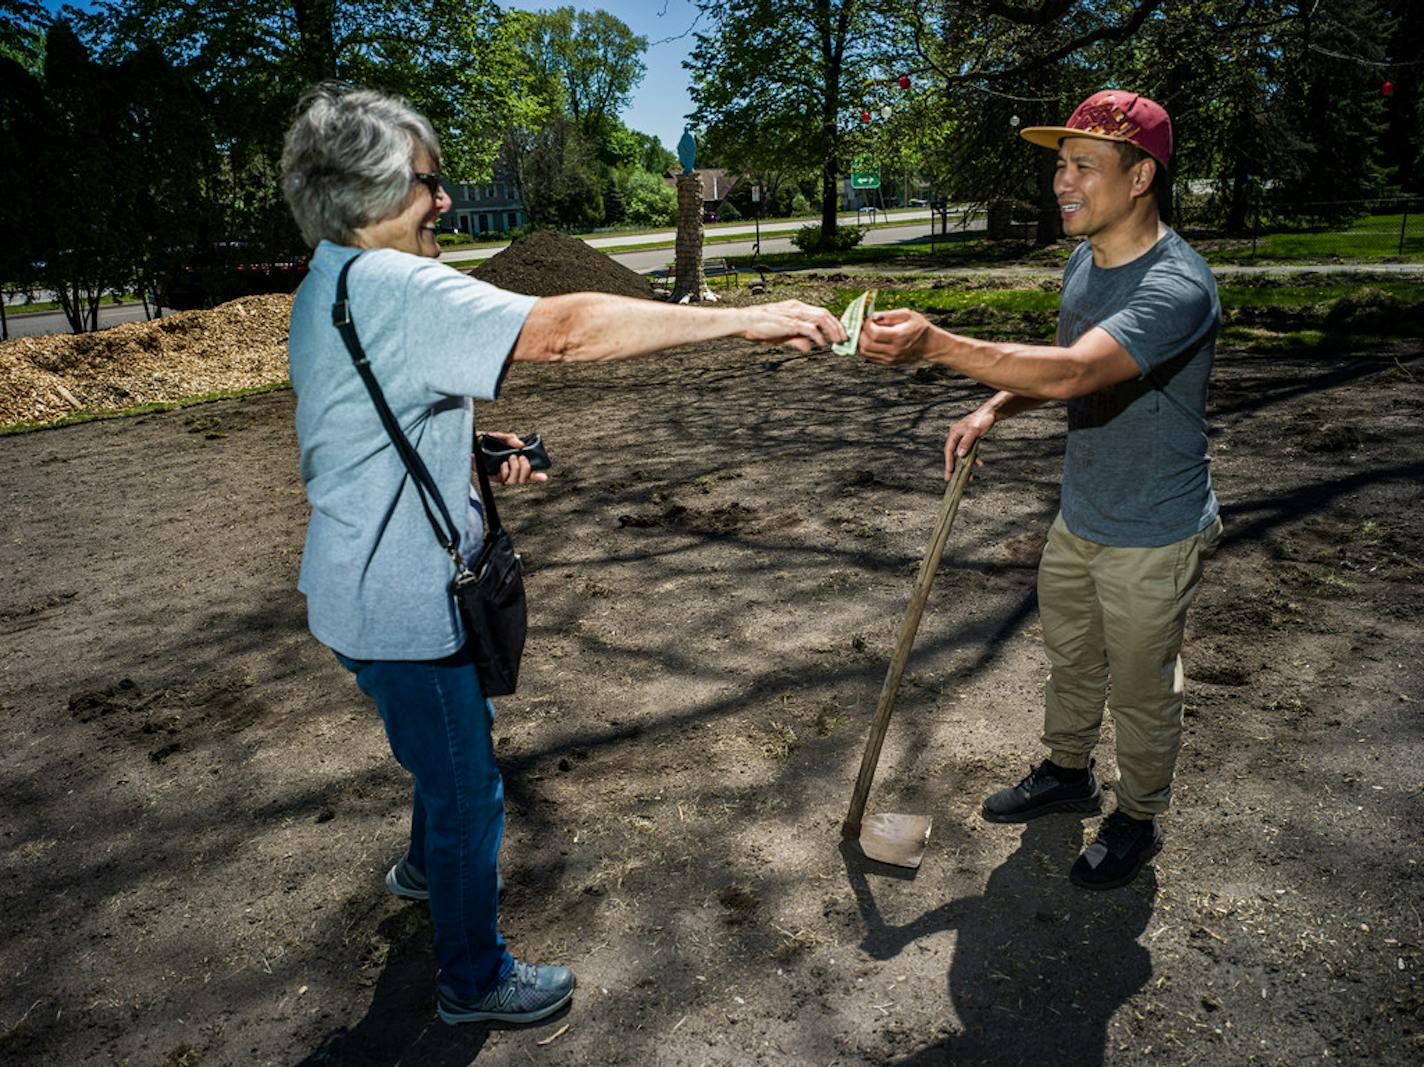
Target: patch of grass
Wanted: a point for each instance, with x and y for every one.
(612, 871)
(1301, 294)
(1370, 239)
(781, 741)
(1009, 301)
(142, 409)
(182, 1056)
(1321, 341)
(739, 902)
(37, 306)
(828, 721)
(795, 945)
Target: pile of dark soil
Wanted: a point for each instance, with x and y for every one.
(545, 263)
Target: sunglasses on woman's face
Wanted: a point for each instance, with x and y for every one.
(431, 180)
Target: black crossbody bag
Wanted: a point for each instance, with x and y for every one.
(490, 594)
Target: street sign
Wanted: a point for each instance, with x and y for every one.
(864, 174)
(756, 194)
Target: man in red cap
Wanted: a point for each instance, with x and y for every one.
(1137, 325)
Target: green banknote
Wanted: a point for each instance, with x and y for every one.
(855, 314)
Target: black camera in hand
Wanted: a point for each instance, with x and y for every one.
(493, 452)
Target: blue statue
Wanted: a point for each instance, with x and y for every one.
(687, 150)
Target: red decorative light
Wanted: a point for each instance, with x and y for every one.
(1387, 88)
(904, 81)
(865, 116)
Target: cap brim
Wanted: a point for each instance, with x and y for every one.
(1052, 136)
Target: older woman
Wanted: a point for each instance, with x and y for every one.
(361, 173)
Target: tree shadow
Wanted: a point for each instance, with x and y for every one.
(1039, 966)
(400, 1027)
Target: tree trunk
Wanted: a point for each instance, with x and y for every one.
(829, 196)
(1050, 226)
(317, 34)
(1240, 203)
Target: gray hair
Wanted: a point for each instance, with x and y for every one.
(346, 160)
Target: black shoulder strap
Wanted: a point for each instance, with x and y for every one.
(414, 465)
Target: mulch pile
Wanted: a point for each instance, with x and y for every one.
(239, 345)
(545, 263)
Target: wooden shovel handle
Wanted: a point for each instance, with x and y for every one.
(948, 508)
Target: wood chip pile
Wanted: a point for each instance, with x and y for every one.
(241, 344)
(238, 345)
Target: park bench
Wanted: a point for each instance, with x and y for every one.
(716, 267)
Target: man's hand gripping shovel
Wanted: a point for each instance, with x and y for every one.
(890, 837)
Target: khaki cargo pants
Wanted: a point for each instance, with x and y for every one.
(1113, 620)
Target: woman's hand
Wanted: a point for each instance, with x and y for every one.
(791, 322)
(515, 470)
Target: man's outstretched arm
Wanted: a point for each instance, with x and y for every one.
(1035, 372)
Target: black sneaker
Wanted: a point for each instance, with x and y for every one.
(1123, 847)
(1043, 793)
(530, 992)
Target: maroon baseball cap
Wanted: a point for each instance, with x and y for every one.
(1113, 115)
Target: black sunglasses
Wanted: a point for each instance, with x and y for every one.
(431, 180)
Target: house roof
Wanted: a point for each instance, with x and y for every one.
(716, 183)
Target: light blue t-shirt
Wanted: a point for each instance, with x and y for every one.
(1135, 469)
(375, 578)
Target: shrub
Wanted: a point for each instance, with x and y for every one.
(727, 212)
(842, 239)
(648, 201)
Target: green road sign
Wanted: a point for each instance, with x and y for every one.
(864, 173)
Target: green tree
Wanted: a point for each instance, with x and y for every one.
(23, 201)
(84, 248)
(648, 200)
(581, 68)
(22, 27)
(1334, 107)
(454, 59)
(1404, 142)
(559, 177)
(985, 63)
(168, 166)
(585, 63)
(778, 83)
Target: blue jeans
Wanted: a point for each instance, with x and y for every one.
(439, 725)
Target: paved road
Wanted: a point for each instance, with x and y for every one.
(781, 226)
(41, 322)
(657, 259)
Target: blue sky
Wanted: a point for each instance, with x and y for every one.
(661, 101)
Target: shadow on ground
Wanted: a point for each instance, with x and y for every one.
(1040, 967)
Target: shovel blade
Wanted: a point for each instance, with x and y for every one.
(895, 839)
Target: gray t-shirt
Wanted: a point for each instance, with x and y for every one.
(1135, 471)
(375, 578)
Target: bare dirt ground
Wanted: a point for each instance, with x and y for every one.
(197, 806)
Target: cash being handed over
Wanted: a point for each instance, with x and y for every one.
(855, 314)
